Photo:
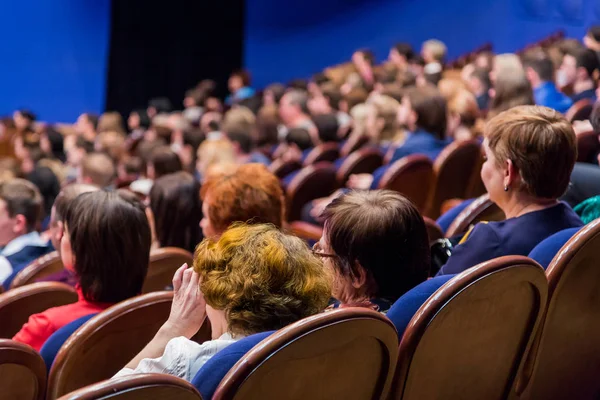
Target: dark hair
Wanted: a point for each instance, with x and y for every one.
(165, 161)
(161, 104)
(320, 78)
(333, 96)
(193, 138)
(243, 75)
(405, 50)
(27, 114)
(278, 91)
(595, 117)
(56, 140)
(298, 98)
(22, 198)
(92, 119)
(483, 75)
(87, 146)
(253, 103)
(144, 118)
(540, 63)
(367, 55)
(175, 203)
(298, 84)
(384, 233)
(110, 238)
(242, 138)
(47, 183)
(587, 59)
(430, 107)
(327, 126)
(300, 137)
(69, 193)
(594, 32)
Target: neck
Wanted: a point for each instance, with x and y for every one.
(297, 119)
(523, 204)
(218, 324)
(582, 86)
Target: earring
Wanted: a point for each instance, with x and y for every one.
(506, 188)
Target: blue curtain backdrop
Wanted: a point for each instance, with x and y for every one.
(296, 38)
(53, 56)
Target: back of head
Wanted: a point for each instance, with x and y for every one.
(541, 144)
(175, 203)
(165, 161)
(277, 90)
(261, 277)
(587, 59)
(214, 152)
(239, 118)
(405, 49)
(386, 109)
(483, 75)
(110, 241)
(384, 233)
(464, 104)
(300, 137)
(511, 86)
(327, 126)
(298, 98)
(48, 185)
(539, 62)
(98, 169)
(112, 143)
(66, 196)
(431, 109)
(267, 122)
(594, 33)
(436, 49)
(250, 193)
(449, 87)
(111, 121)
(22, 198)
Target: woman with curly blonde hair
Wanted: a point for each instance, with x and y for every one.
(253, 279)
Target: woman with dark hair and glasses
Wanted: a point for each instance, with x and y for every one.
(376, 246)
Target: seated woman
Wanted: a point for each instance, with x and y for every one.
(247, 193)
(423, 110)
(253, 279)
(177, 210)
(530, 152)
(100, 230)
(376, 245)
(463, 113)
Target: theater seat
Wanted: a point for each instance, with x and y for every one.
(406, 306)
(40, 268)
(481, 209)
(412, 176)
(580, 111)
(323, 152)
(58, 338)
(448, 217)
(163, 264)
(281, 168)
(363, 161)
(22, 372)
(210, 375)
(587, 147)
(545, 251)
(312, 182)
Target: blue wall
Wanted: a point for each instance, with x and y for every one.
(53, 57)
(296, 38)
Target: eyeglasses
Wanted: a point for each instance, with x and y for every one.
(317, 251)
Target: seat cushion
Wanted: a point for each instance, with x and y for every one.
(545, 251)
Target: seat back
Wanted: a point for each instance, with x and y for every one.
(107, 342)
(163, 264)
(22, 372)
(482, 209)
(567, 359)
(323, 152)
(433, 229)
(51, 347)
(453, 173)
(17, 305)
(353, 144)
(45, 265)
(548, 248)
(587, 147)
(412, 176)
(281, 168)
(211, 374)
(468, 340)
(136, 387)
(310, 183)
(580, 111)
(314, 358)
(363, 161)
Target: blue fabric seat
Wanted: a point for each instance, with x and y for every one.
(210, 375)
(447, 218)
(407, 305)
(58, 338)
(545, 251)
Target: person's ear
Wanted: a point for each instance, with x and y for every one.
(58, 233)
(20, 225)
(511, 174)
(359, 279)
(531, 74)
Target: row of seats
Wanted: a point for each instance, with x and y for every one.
(503, 329)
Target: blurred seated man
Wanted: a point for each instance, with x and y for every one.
(540, 72)
(591, 40)
(97, 169)
(578, 69)
(20, 212)
(294, 113)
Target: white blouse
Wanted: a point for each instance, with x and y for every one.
(182, 357)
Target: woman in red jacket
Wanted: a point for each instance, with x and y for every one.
(106, 243)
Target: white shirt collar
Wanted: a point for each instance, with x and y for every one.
(17, 244)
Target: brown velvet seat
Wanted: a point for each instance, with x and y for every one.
(434, 231)
(453, 173)
(22, 372)
(482, 209)
(323, 152)
(587, 147)
(281, 168)
(580, 111)
(363, 161)
(353, 144)
(412, 176)
(108, 341)
(566, 362)
(346, 353)
(467, 340)
(163, 264)
(310, 183)
(17, 305)
(40, 268)
(137, 387)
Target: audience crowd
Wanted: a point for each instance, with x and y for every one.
(104, 192)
